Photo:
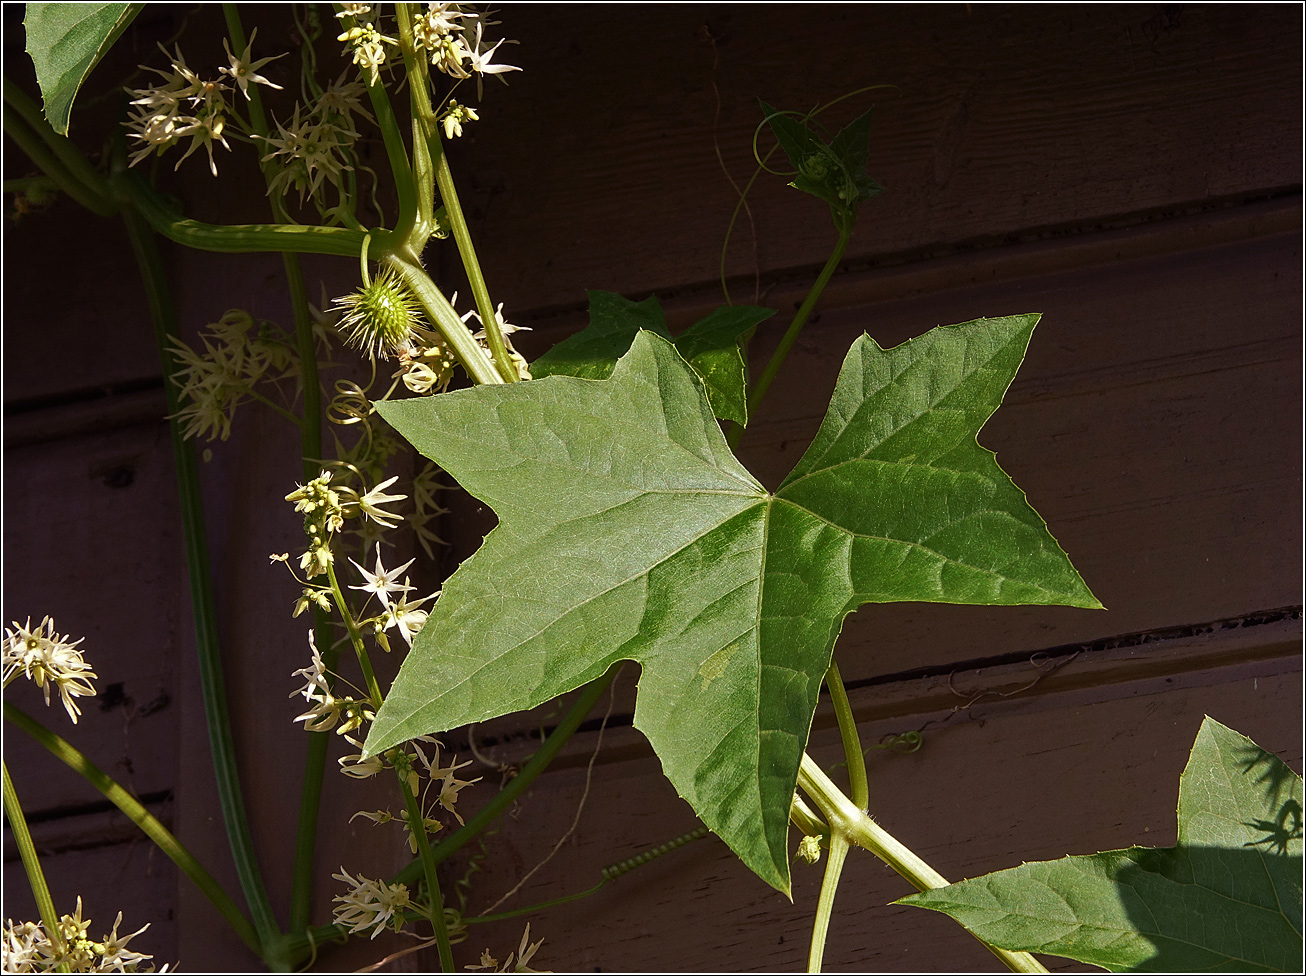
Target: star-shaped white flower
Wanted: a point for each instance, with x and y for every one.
(382, 582)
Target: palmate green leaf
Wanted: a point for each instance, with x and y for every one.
(1227, 897)
(65, 41)
(627, 530)
(713, 346)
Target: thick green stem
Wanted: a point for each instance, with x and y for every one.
(845, 818)
(310, 439)
(212, 680)
(442, 315)
(50, 165)
(85, 183)
(462, 236)
(137, 814)
(417, 827)
(852, 743)
(852, 749)
(424, 117)
(420, 105)
(825, 903)
(32, 863)
(547, 752)
(165, 220)
(763, 383)
(402, 172)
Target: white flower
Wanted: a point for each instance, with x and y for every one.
(115, 951)
(382, 582)
(525, 952)
(243, 71)
(326, 706)
(369, 504)
(370, 904)
(48, 659)
(450, 785)
(356, 766)
(406, 616)
(480, 60)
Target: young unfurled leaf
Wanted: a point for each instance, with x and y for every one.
(1228, 897)
(627, 530)
(65, 41)
(713, 346)
(836, 172)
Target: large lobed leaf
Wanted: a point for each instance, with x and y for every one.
(627, 530)
(65, 41)
(1227, 897)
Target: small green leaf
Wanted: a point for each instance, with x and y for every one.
(836, 172)
(713, 346)
(66, 40)
(627, 530)
(1227, 897)
(593, 351)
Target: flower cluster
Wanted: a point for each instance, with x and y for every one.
(505, 329)
(27, 948)
(324, 514)
(236, 358)
(316, 147)
(367, 43)
(370, 904)
(443, 780)
(444, 32)
(48, 659)
(186, 106)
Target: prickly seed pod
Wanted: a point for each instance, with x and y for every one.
(381, 317)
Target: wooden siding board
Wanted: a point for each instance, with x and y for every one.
(1004, 119)
(92, 539)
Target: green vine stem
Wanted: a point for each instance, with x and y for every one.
(538, 763)
(763, 383)
(50, 165)
(435, 914)
(137, 814)
(164, 219)
(310, 800)
(860, 795)
(845, 818)
(858, 789)
(610, 873)
(32, 863)
(420, 109)
(825, 902)
(356, 638)
(807, 820)
(425, 117)
(71, 170)
(442, 315)
(212, 680)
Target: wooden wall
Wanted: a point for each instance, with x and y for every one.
(1132, 172)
